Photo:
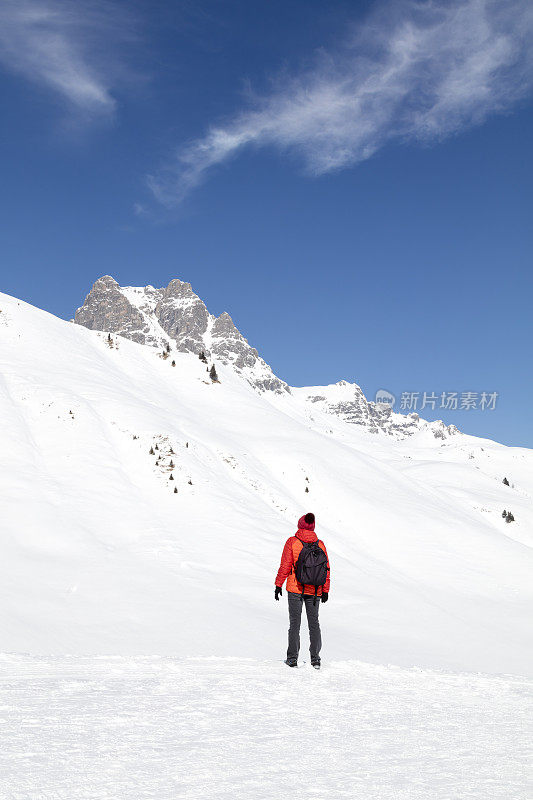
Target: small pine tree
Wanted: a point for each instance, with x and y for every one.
(505, 481)
(109, 339)
(156, 447)
(213, 374)
(186, 444)
(175, 489)
(168, 348)
(202, 356)
(152, 451)
(171, 465)
(171, 451)
(190, 482)
(307, 489)
(171, 477)
(509, 517)
(173, 363)
(504, 513)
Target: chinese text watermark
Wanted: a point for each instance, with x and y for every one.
(452, 401)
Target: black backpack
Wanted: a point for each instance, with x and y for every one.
(311, 568)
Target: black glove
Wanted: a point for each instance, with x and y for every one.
(277, 592)
(325, 596)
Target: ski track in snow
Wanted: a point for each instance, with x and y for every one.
(104, 728)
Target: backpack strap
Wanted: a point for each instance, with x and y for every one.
(302, 596)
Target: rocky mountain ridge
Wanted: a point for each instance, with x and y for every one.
(174, 315)
(347, 401)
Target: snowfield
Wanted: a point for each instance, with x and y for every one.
(149, 615)
(192, 729)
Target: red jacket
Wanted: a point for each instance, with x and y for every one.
(289, 557)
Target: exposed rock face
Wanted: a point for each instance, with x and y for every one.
(177, 315)
(347, 401)
(183, 316)
(107, 309)
(230, 346)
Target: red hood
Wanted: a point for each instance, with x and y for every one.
(306, 536)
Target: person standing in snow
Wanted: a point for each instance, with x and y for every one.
(305, 566)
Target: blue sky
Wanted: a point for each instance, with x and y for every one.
(351, 181)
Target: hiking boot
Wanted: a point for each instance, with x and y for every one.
(316, 663)
(291, 662)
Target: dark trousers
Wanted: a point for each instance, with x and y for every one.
(295, 618)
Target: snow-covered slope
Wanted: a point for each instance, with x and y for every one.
(99, 554)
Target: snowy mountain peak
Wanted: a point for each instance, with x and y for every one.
(174, 315)
(177, 288)
(347, 401)
(106, 280)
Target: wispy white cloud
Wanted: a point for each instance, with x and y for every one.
(415, 71)
(68, 46)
